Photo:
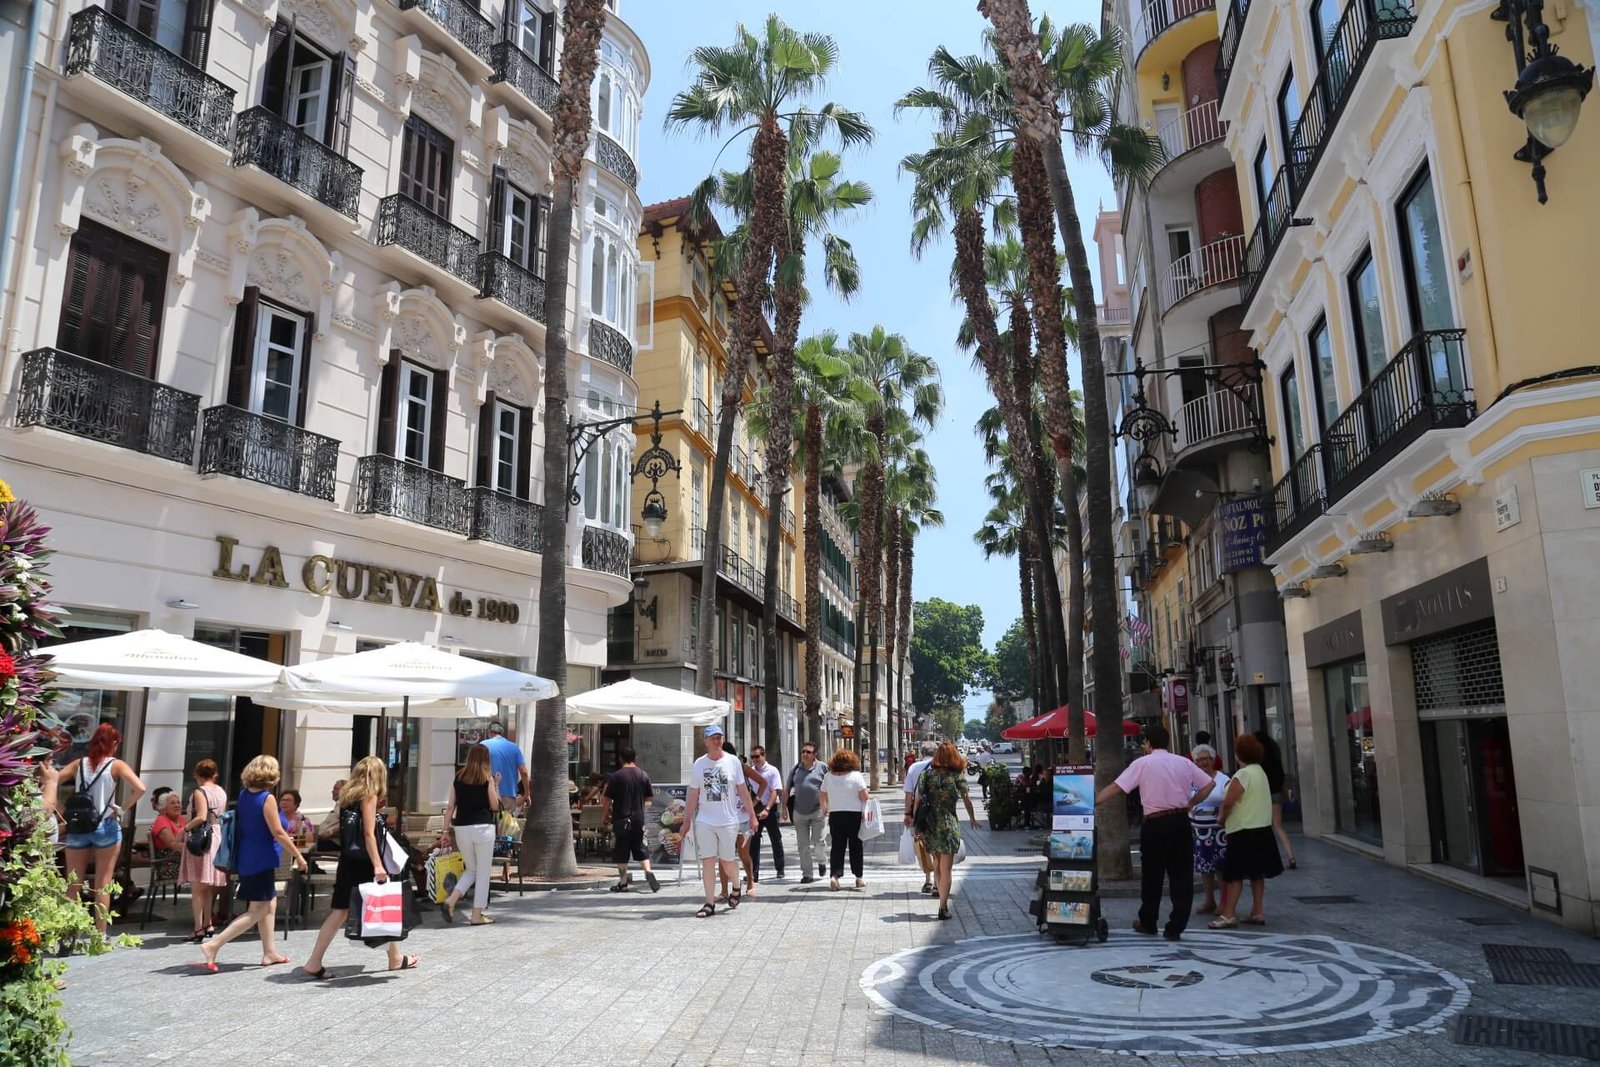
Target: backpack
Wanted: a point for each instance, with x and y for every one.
(228, 850)
(82, 816)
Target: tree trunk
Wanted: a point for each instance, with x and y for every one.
(1076, 749)
(891, 614)
(767, 152)
(861, 632)
(871, 555)
(907, 551)
(1030, 622)
(813, 565)
(780, 461)
(547, 841)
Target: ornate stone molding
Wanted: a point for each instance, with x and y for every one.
(417, 324)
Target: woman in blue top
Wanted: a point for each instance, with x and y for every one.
(259, 844)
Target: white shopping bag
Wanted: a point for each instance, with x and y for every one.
(382, 910)
(908, 846)
(961, 851)
(871, 821)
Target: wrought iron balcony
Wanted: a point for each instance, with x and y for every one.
(386, 485)
(1274, 222)
(262, 138)
(1232, 33)
(1217, 263)
(102, 403)
(613, 157)
(738, 462)
(517, 69)
(1195, 128)
(506, 520)
(1363, 24)
(609, 344)
(1157, 15)
(605, 551)
(125, 59)
(1423, 388)
(258, 448)
(788, 607)
(700, 418)
(512, 284)
(1227, 411)
(405, 223)
(461, 19)
(788, 519)
(697, 540)
(1298, 498)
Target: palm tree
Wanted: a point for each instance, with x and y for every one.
(754, 85)
(889, 375)
(917, 513)
(547, 842)
(1036, 95)
(1005, 532)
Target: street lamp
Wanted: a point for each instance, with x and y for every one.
(1550, 87)
(654, 463)
(1147, 479)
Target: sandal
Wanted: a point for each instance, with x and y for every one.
(447, 911)
(1255, 920)
(944, 913)
(485, 921)
(1224, 923)
(706, 911)
(833, 884)
(407, 963)
(734, 898)
(620, 887)
(319, 975)
(195, 938)
(1293, 866)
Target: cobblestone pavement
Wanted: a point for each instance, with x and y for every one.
(804, 977)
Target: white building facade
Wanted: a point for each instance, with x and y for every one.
(273, 352)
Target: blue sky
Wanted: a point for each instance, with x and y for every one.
(884, 48)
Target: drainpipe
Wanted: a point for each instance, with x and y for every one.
(14, 178)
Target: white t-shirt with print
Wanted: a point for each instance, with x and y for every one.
(844, 790)
(718, 781)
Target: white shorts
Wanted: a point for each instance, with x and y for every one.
(716, 842)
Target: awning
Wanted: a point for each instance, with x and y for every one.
(1053, 724)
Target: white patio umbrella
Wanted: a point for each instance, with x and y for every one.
(633, 700)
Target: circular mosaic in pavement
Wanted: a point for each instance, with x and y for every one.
(1212, 994)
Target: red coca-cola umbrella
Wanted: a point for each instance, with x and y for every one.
(1053, 724)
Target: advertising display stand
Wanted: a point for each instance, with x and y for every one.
(1067, 903)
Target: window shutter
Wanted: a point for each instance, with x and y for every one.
(388, 401)
(508, 21)
(244, 347)
(303, 385)
(144, 273)
(437, 411)
(496, 230)
(486, 440)
(344, 73)
(140, 14)
(86, 272)
(547, 42)
(541, 226)
(280, 58)
(197, 31)
(525, 455)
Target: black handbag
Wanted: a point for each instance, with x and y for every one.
(352, 840)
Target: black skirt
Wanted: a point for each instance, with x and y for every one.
(1252, 854)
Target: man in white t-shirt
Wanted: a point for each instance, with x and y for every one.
(713, 813)
(913, 776)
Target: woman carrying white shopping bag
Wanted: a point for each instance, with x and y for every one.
(360, 859)
(844, 801)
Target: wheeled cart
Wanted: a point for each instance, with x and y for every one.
(1066, 905)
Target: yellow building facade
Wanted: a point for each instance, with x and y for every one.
(1429, 333)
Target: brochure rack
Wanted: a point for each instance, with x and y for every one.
(1067, 903)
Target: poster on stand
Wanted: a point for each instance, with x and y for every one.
(1072, 799)
(1072, 845)
(1075, 912)
(664, 824)
(1070, 881)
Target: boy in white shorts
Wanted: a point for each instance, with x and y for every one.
(714, 815)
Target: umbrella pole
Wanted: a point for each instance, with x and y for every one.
(136, 750)
(405, 755)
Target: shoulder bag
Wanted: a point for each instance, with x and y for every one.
(198, 840)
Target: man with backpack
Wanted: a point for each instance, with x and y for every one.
(805, 808)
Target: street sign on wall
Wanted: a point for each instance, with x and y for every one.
(1244, 532)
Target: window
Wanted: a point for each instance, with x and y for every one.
(1180, 242)
(1263, 172)
(308, 88)
(115, 293)
(697, 500)
(182, 27)
(275, 367)
(1367, 314)
(1288, 113)
(534, 32)
(698, 273)
(1324, 21)
(605, 468)
(505, 447)
(616, 105)
(1192, 377)
(611, 269)
(1294, 431)
(416, 407)
(425, 166)
(1422, 255)
(523, 242)
(1325, 379)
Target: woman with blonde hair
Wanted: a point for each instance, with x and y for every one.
(360, 859)
(199, 869)
(258, 851)
(936, 823)
(844, 798)
(469, 819)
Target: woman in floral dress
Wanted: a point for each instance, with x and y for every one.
(1210, 839)
(935, 821)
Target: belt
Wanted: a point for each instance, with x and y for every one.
(1162, 814)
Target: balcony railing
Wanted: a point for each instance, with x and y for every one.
(613, 157)
(697, 540)
(1114, 314)
(605, 551)
(700, 417)
(788, 519)
(1157, 15)
(404, 222)
(1193, 129)
(261, 138)
(1298, 498)
(258, 448)
(461, 20)
(1423, 388)
(788, 607)
(102, 403)
(1217, 263)
(1232, 33)
(127, 60)
(738, 462)
(506, 520)
(609, 344)
(386, 485)
(517, 69)
(1270, 228)
(1363, 24)
(514, 285)
(1220, 413)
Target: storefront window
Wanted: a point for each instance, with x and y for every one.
(233, 730)
(84, 709)
(1353, 751)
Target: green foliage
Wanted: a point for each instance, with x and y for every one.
(948, 716)
(1003, 806)
(1009, 675)
(947, 654)
(975, 729)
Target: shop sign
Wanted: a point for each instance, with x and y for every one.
(1507, 512)
(1244, 533)
(1590, 479)
(1177, 695)
(1446, 602)
(329, 576)
(1337, 641)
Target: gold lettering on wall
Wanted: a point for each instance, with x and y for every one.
(310, 577)
(270, 572)
(225, 547)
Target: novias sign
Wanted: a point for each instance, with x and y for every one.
(330, 576)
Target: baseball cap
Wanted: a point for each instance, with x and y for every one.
(713, 730)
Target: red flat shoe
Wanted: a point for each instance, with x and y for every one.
(209, 968)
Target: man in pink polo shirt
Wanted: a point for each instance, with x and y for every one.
(1169, 787)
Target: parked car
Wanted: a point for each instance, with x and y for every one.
(1003, 747)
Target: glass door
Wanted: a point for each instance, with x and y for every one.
(1452, 806)
(1353, 751)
